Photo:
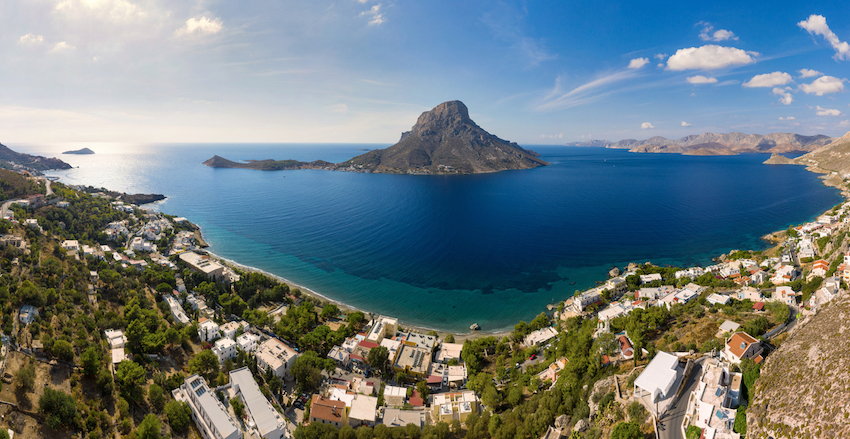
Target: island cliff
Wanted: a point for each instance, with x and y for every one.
(443, 140)
(79, 151)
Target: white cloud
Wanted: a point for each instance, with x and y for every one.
(646, 126)
(816, 25)
(660, 56)
(844, 123)
(31, 40)
(556, 99)
(808, 73)
(201, 26)
(638, 63)
(375, 13)
(709, 34)
(553, 136)
(787, 118)
(785, 98)
(362, 1)
(709, 57)
(685, 124)
(699, 79)
(116, 11)
(61, 47)
(769, 80)
(729, 82)
(827, 112)
(824, 85)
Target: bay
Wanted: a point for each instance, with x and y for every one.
(446, 251)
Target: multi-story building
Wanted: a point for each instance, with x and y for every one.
(210, 416)
(208, 330)
(276, 356)
(224, 349)
(262, 417)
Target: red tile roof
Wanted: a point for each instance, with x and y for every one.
(739, 343)
(416, 400)
(367, 344)
(758, 306)
(322, 408)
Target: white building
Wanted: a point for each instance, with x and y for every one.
(261, 415)
(140, 245)
(115, 338)
(176, 310)
(363, 411)
(229, 329)
(71, 245)
(540, 336)
(224, 349)
(647, 278)
(203, 264)
(657, 384)
(247, 342)
(208, 330)
(276, 356)
(210, 416)
(586, 299)
(383, 327)
(28, 314)
(718, 299)
(449, 351)
(718, 391)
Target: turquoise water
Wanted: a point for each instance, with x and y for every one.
(446, 251)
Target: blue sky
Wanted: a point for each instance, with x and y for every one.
(361, 71)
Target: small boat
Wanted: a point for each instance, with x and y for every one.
(572, 283)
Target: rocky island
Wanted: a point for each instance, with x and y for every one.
(443, 141)
(718, 144)
(80, 151)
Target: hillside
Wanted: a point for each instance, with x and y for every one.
(79, 151)
(15, 185)
(833, 157)
(9, 158)
(445, 139)
(805, 384)
(718, 144)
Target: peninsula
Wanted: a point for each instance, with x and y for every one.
(32, 163)
(718, 144)
(79, 151)
(443, 141)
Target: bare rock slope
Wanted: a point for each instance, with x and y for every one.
(804, 387)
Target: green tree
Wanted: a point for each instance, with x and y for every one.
(59, 408)
(179, 415)
(693, 432)
(205, 364)
(378, 357)
(91, 361)
(149, 428)
(4, 433)
(131, 379)
(104, 383)
(329, 310)
(422, 388)
(307, 370)
(156, 398)
(63, 350)
(238, 407)
(626, 430)
(450, 338)
(637, 413)
(26, 378)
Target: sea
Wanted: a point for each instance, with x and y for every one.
(445, 252)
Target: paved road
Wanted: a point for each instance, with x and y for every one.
(670, 427)
(5, 208)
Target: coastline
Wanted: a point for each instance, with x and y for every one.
(829, 180)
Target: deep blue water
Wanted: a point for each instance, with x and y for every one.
(446, 251)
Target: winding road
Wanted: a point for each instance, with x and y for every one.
(670, 426)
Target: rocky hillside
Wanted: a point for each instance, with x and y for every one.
(266, 165)
(832, 157)
(445, 139)
(31, 162)
(804, 388)
(718, 144)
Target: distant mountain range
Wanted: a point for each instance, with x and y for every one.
(833, 157)
(9, 158)
(443, 141)
(717, 144)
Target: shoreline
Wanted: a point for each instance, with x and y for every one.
(827, 179)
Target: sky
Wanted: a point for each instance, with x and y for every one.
(361, 71)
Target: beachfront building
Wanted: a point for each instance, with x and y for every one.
(382, 327)
(203, 264)
(690, 273)
(210, 416)
(540, 336)
(261, 418)
(647, 278)
(207, 330)
(585, 299)
(176, 310)
(423, 341)
(412, 360)
(248, 342)
(449, 351)
(447, 407)
(276, 356)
